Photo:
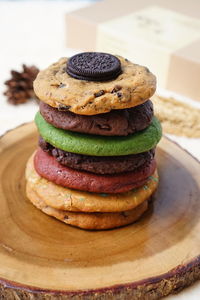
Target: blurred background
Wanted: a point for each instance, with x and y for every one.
(31, 33)
(163, 35)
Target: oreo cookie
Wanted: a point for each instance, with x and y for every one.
(94, 66)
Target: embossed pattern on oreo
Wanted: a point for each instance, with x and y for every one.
(94, 66)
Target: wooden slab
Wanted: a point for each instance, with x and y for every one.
(42, 258)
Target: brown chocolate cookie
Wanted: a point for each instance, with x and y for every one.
(98, 164)
(47, 167)
(117, 122)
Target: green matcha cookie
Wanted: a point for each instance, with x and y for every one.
(100, 145)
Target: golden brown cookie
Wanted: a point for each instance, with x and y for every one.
(62, 198)
(90, 221)
(55, 87)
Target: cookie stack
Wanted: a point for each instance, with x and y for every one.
(95, 165)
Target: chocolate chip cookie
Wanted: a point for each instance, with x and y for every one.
(133, 86)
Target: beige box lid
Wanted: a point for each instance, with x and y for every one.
(83, 24)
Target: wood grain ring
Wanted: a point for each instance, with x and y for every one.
(43, 258)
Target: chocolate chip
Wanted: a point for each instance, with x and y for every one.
(119, 95)
(116, 89)
(100, 93)
(125, 214)
(62, 107)
(147, 70)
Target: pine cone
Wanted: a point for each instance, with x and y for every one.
(20, 86)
